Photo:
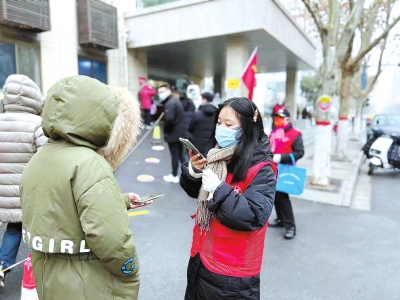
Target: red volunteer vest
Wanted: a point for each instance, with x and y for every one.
(230, 252)
(285, 146)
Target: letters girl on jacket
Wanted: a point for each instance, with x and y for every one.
(21, 136)
(74, 214)
(235, 189)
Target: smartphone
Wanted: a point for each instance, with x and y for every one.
(188, 144)
(147, 198)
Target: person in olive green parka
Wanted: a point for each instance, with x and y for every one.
(74, 214)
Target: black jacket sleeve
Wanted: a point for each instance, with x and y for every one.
(249, 211)
(297, 151)
(169, 114)
(189, 184)
(193, 121)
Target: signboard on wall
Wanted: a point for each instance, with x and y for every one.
(232, 88)
(233, 84)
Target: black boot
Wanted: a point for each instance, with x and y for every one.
(290, 233)
(275, 223)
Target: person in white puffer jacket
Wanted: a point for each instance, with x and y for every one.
(21, 136)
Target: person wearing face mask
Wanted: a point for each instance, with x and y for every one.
(235, 186)
(174, 128)
(285, 140)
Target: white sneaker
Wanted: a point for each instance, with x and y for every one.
(171, 178)
(1, 279)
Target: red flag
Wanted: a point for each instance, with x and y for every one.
(249, 73)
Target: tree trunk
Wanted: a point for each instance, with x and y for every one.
(323, 132)
(343, 126)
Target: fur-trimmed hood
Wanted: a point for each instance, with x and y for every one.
(86, 112)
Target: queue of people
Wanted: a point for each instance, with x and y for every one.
(70, 182)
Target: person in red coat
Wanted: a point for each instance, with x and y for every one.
(145, 95)
(285, 140)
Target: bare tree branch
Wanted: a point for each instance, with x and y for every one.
(316, 18)
(334, 21)
(349, 29)
(347, 56)
(351, 4)
(378, 72)
(384, 34)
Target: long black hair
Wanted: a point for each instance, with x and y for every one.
(252, 133)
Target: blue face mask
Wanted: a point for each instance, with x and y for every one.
(227, 137)
(163, 96)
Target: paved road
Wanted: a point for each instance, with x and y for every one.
(338, 254)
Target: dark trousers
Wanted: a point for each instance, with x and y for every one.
(146, 116)
(284, 211)
(176, 150)
(11, 241)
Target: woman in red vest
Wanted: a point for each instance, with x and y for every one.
(285, 140)
(235, 188)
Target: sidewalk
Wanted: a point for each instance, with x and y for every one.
(349, 184)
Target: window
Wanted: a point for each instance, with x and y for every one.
(148, 3)
(92, 68)
(7, 62)
(19, 59)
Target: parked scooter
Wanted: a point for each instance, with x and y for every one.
(384, 153)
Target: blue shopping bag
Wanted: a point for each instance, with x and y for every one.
(291, 179)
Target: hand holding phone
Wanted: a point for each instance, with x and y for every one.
(146, 199)
(196, 160)
(188, 144)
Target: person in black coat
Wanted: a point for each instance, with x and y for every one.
(240, 212)
(188, 112)
(202, 125)
(173, 129)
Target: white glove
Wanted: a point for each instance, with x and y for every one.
(210, 181)
(277, 158)
(193, 173)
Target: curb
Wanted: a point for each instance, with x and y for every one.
(352, 181)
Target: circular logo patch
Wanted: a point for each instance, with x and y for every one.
(145, 178)
(157, 148)
(324, 103)
(152, 160)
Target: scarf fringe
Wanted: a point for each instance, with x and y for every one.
(217, 159)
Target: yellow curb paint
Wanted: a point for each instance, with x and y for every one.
(138, 213)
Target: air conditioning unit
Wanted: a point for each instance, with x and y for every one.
(98, 24)
(31, 15)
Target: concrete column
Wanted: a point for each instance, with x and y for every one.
(218, 84)
(290, 101)
(137, 66)
(59, 47)
(237, 55)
